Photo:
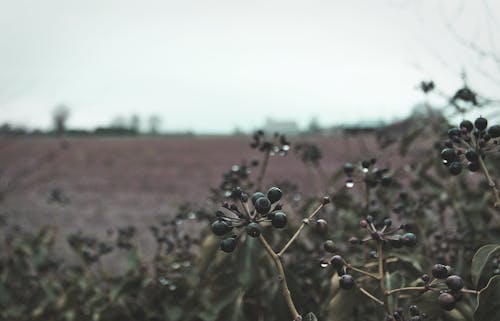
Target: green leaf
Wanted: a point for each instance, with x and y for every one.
(488, 301)
(309, 317)
(341, 307)
(480, 260)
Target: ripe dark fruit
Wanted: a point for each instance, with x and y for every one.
(228, 245)
(346, 282)
(337, 262)
(388, 222)
(409, 239)
(321, 225)
(274, 194)
(386, 181)
(494, 131)
(256, 196)
(440, 271)
(455, 168)
(471, 155)
(365, 164)
(279, 220)
(481, 123)
(454, 282)
(221, 227)
(253, 229)
(449, 154)
(473, 166)
(329, 246)
(262, 205)
(467, 125)
(325, 200)
(363, 223)
(348, 168)
(454, 133)
(447, 301)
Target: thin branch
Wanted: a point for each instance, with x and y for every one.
(410, 288)
(376, 277)
(371, 296)
(301, 227)
(491, 183)
(282, 278)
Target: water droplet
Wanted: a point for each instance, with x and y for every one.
(365, 170)
(176, 265)
(164, 281)
(172, 287)
(186, 264)
(285, 148)
(235, 168)
(227, 193)
(191, 215)
(324, 264)
(445, 161)
(349, 184)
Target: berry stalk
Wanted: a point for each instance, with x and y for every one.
(491, 183)
(282, 278)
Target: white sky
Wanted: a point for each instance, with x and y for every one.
(213, 65)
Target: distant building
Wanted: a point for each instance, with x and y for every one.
(283, 127)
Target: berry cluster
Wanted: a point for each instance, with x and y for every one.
(414, 314)
(382, 232)
(468, 145)
(367, 173)
(89, 248)
(449, 286)
(278, 145)
(465, 94)
(266, 209)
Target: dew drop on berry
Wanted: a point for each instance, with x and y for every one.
(349, 184)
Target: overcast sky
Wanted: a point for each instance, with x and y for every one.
(213, 65)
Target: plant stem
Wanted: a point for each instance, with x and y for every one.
(263, 170)
(376, 277)
(371, 296)
(411, 288)
(301, 227)
(282, 278)
(382, 277)
(491, 183)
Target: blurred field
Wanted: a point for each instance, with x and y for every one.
(99, 183)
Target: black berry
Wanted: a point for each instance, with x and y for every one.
(337, 262)
(481, 123)
(256, 196)
(409, 239)
(471, 155)
(348, 168)
(447, 301)
(494, 131)
(346, 282)
(228, 245)
(274, 194)
(440, 271)
(221, 227)
(473, 166)
(467, 125)
(329, 246)
(253, 229)
(262, 205)
(321, 226)
(449, 154)
(455, 168)
(279, 220)
(454, 282)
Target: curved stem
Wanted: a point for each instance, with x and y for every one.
(262, 171)
(371, 296)
(282, 278)
(491, 183)
(376, 277)
(382, 277)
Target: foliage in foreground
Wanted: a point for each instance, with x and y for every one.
(376, 241)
